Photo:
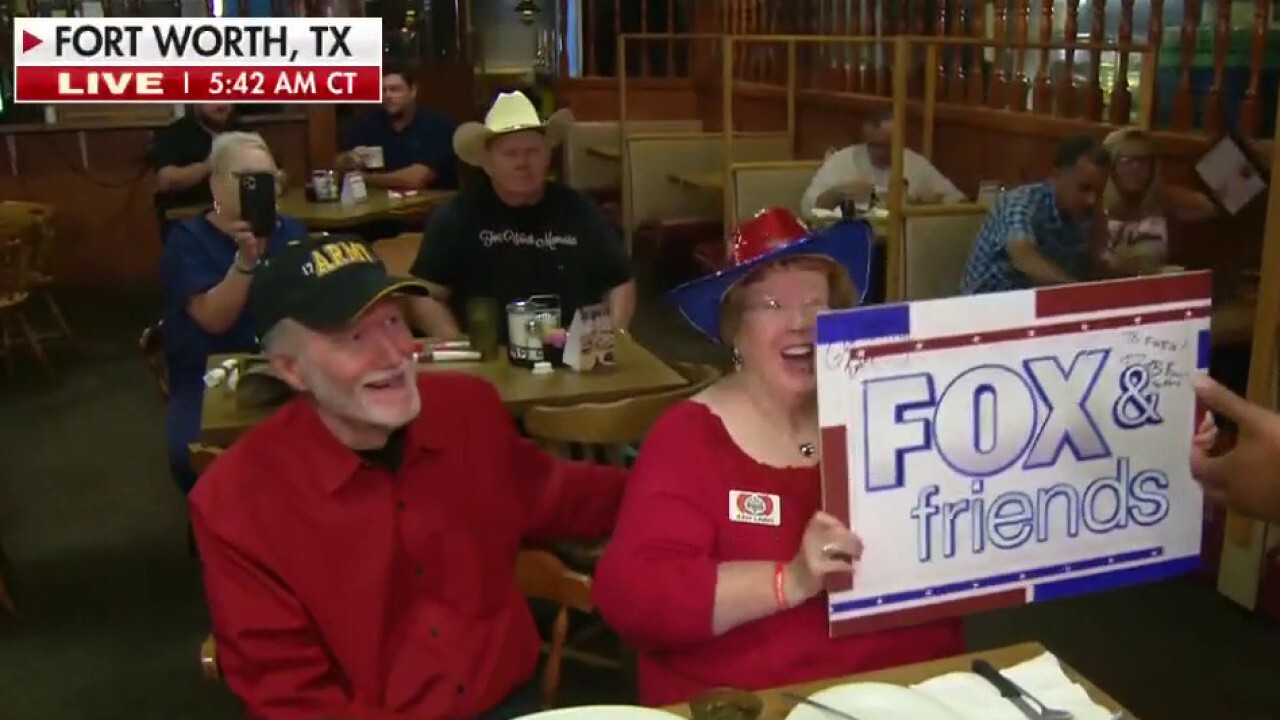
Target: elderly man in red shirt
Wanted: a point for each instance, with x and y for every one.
(358, 547)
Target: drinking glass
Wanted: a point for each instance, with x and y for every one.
(484, 326)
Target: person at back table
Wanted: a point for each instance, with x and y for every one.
(517, 233)
(858, 171)
(715, 571)
(359, 545)
(416, 143)
(205, 269)
(1138, 205)
(179, 155)
(1041, 234)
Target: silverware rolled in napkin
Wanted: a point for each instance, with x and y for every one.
(819, 706)
(1021, 699)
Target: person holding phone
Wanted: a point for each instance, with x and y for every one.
(402, 146)
(206, 267)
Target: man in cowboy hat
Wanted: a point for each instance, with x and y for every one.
(401, 146)
(359, 545)
(518, 234)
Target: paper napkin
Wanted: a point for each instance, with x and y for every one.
(972, 698)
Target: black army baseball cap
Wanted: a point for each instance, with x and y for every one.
(323, 282)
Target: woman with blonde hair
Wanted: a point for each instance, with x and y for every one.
(710, 596)
(205, 269)
(1137, 205)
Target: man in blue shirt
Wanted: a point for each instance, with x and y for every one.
(415, 144)
(1040, 234)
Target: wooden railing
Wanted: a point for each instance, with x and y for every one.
(1206, 73)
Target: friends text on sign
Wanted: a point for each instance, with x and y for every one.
(998, 418)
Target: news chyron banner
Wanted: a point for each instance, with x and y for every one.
(197, 60)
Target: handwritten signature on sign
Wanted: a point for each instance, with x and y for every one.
(1160, 373)
(850, 358)
(1151, 343)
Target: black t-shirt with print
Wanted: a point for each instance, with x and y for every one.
(478, 246)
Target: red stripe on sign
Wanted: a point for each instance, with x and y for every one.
(911, 347)
(1127, 293)
(929, 613)
(835, 487)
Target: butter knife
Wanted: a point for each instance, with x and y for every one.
(819, 706)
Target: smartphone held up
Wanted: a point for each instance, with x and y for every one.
(258, 202)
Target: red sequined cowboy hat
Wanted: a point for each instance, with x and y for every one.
(775, 234)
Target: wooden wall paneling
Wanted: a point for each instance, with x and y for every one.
(1246, 540)
(107, 235)
(322, 136)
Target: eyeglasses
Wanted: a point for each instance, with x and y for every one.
(776, 309)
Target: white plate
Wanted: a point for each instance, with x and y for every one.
(874, 701)
(603, 712)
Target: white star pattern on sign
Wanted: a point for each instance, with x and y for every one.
(1066, 568)
(976, 585)
(1111, 561)
(929, 591)
(1022, 576)
(879, 601)
(1031, 333)
(1137, 320)
(977, 339)
(862, 353)
(1084, 326)
(919, 346)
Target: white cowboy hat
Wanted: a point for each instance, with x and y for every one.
(511, 112)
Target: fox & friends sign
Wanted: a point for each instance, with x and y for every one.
(996, 450)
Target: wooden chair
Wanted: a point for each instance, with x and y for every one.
(543, 576)
(209, 659)
(151, 343)
(202, 456)
(16, 248)
(40, 218)
(6, 598)
(603, 429)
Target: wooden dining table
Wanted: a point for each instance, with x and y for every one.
(637, 371)
(380, 205)
(777, 704)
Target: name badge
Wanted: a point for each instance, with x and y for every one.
(755, 508)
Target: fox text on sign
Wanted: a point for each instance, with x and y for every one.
(1003, 449)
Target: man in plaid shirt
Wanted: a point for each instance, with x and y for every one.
(1040, 234)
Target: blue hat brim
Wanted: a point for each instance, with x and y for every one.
(848, 244)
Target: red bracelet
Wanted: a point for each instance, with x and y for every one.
(780, 585)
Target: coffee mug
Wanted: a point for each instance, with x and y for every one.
(372, 158)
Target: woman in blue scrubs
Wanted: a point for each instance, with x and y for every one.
(206, 267)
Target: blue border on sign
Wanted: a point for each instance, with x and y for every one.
(1149, 570)
(864, 323)
(1204, 349)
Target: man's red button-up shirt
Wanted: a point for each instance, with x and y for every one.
(340, 590)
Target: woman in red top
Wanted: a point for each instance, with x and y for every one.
(715, 570)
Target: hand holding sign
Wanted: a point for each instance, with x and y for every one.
(1245, 477)
(825, 540)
